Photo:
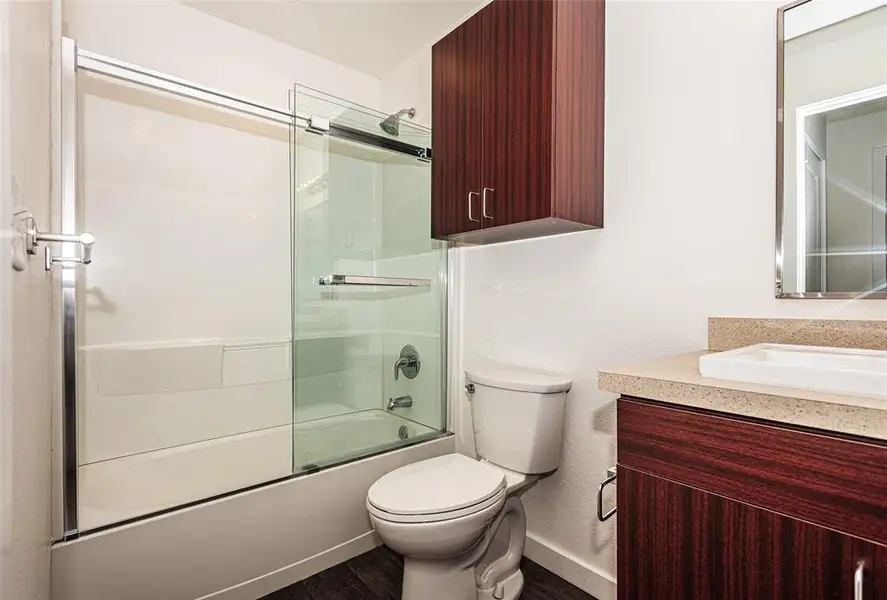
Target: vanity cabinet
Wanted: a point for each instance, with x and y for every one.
(712, 506)
(518, 121)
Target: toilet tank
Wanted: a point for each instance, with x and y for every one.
(518, 418)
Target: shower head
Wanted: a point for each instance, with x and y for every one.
(391, 125)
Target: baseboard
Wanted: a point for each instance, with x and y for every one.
(571, 568)
(290, 574)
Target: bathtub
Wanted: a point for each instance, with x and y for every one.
(129, 487)
(249, 543)
(348, 436)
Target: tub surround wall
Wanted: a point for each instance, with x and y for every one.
(731, 333)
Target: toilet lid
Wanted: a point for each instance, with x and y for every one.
(437, 485)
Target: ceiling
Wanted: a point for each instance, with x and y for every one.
(372, 36)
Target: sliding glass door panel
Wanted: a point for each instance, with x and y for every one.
(362, 216)
(184, 315)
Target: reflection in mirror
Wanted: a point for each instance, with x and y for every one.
(834, 150)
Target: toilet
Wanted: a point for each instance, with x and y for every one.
(442, 514)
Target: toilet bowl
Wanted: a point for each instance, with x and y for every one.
(436, 513)
(442, 514)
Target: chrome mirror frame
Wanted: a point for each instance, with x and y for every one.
(780, 177)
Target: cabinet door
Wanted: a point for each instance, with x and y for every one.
(517, 108)
(456, 126)
(679, 543)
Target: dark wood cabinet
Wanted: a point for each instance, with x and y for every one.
(456, 76)
(712, 506)
(518, 116)
(679, 543)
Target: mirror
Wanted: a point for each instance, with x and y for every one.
(832, 150)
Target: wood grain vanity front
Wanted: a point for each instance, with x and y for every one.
(715, 506)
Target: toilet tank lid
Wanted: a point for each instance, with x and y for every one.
(519, 381)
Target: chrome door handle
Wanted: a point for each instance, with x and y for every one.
(483, 208)
(859, 581)
(611, 477)
(470, 218)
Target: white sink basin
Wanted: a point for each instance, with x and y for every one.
(838, 370)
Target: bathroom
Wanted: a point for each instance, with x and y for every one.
(189, 492)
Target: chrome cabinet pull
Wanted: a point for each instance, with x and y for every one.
(611, 477)
(470, 218)
(859, 581)
(484, 203)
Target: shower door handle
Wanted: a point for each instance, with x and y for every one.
(470, 218)
(483, 205)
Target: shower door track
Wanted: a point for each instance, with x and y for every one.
(74, 59)
(110, 67)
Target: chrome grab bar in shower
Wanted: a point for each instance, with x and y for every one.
(338, 279)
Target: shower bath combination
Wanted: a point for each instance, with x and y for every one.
(303, 386)
(391, 125)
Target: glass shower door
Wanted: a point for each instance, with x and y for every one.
(362, 217)
(184, 389)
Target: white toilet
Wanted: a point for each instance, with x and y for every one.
(443, 513)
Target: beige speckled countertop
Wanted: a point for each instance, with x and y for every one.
(676, 379)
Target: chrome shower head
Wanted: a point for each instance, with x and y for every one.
(391, 125)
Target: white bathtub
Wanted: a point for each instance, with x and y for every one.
(123, 488)
(350, 435)
(247, 545)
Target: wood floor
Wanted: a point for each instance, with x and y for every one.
(377, 574)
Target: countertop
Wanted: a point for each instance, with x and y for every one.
(676, 380)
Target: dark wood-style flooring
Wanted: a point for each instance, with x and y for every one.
(377, 575)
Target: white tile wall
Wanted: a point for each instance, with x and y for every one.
(118, 420)
(126, 370)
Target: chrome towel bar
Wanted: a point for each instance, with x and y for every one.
(33, 237)
(601, 515)
(338, 279)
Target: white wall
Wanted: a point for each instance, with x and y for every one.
(170, 37)
(690, 213)
(25, 34)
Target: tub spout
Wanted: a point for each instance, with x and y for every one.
(400, 402)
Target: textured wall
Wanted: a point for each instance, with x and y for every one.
(25, 304)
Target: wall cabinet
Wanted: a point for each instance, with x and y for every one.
(716, 507)
(518, 122)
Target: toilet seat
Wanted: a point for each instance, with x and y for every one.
(438, 489)
(440, 517)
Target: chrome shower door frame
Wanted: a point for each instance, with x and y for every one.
(72, 59)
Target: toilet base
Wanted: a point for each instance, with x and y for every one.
(437, 580)
(510, 589)
(446, 580)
